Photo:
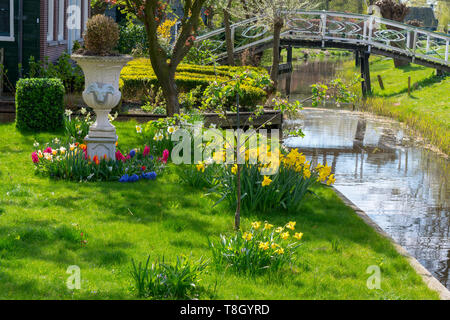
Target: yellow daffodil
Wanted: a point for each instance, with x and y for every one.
(331, 179)
(306, 173)
(256, 225)
(138, 129)
(234, 169)
(268, 226)
(55, 152)
(219, 157)
(267, 181)
(72, 147)
(284, 235)
(298, 235)
(247, 236)
(274, 245)
(62, 150)
(278, 230)
(200, 167)
(40, 154)
(291, 225)
(264, 245)
(279, 251)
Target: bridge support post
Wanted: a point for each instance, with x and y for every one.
(365, 73)
(356, 58)
(289, 56)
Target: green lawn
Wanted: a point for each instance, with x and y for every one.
(41, 221)
(426, 110)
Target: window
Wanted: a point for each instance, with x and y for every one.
(6, 20)
(51, 16)
(61, 19)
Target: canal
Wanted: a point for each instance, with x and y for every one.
(379, 166)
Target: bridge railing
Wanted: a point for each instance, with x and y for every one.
(367, 30)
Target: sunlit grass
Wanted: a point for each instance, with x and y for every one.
(41, 221)
(427, 108)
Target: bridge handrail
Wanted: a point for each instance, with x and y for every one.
(417, 41)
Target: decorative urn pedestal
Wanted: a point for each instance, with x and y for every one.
(101, 93)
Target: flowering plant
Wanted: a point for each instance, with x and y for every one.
(285, 187)
(71, 162)
(263, 248)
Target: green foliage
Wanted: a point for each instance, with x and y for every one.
(39, 104)
(133, 39)
(200, 54)
(199, 176)
(162, 280)
(71, 75)
(260, 250)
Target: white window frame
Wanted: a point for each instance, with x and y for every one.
(85, 13)
(61, 19)
(78, 29)
(11, 23)
(50, 19)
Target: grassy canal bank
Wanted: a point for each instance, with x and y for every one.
(426, 109)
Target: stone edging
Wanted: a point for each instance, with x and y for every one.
(427, 277)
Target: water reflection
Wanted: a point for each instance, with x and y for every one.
(403, 187)
(297, 84)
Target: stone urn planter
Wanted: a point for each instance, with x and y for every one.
(101, 93)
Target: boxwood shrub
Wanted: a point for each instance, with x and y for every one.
(138, 75)
(39, 104)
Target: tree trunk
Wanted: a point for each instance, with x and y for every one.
(228, 35)
(277, 26)
(166, 79)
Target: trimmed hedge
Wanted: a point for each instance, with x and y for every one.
(39, 104)
(138, 75)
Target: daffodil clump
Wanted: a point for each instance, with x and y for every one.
(263, 248)
(277, 180)
(70, 161)
(77, 126)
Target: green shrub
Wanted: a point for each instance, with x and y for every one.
(133, 39)
(71, 75)
(39, 104)
(161, 280)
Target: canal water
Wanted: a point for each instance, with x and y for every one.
(400, 184)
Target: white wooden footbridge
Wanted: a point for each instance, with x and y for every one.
(364, 34)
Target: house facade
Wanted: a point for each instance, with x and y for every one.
(39, 28)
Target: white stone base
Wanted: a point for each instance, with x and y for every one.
(101, 146)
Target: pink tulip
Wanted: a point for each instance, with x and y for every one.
(146, 151)
(35, 157)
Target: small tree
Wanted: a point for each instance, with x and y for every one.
(165, 62)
